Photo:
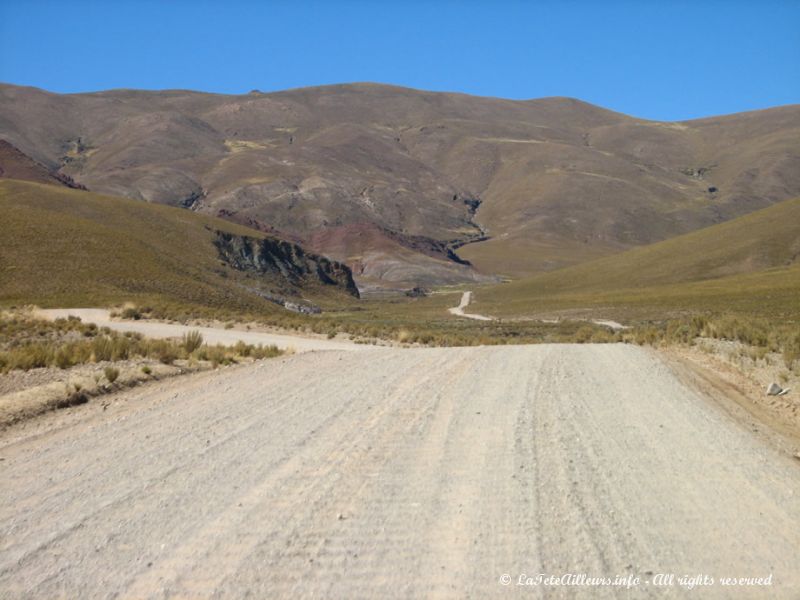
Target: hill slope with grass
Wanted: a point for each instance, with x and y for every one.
(750, 264)
(390, 180)
(63, 247)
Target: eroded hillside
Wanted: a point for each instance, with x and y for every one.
(389, 179)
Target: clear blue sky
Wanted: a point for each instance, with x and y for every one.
(656, 59)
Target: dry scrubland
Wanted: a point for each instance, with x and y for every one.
(107, 251)
(55, 364)
(163, 491)
(747, 266)
(63, 247)
(28, 343)
(735, 282)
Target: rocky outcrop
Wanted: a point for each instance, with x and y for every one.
(271, 255)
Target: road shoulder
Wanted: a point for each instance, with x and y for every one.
(741, 399)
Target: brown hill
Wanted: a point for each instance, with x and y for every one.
(18, 165)
(392, 180)
(62, 247)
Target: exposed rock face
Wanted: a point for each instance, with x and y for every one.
(270, 255)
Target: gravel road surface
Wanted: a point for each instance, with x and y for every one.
(398, 474)
(211, 335)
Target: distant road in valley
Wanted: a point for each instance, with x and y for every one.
(466, 298)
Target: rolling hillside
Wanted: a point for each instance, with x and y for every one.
(63, 247)
(751, 263)
(392, 180)
(18, 165)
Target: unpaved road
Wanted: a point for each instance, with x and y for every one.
(211, 335)
(466, 298)
(398, 474)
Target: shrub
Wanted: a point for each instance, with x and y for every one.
(215, 354)
(791, 349)
(164, 351)
(102, 348)
(146, 370)
(64, 358)
(265, 351)
(192, 341)
(584, 334)
(111, 374)
(32, 356)
(131, 313)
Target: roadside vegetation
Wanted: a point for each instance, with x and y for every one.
(758, 337)
(424, 321)
(400, 320)
(29, 343)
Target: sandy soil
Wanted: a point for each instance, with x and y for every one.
(398, 473)
(211, 335)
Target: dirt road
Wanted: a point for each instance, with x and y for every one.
(466, 298)
(398, 473)
(211, 335)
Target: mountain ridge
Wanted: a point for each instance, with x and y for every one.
(557, 181)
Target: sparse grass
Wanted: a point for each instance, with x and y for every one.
(791, 349)
(28, 343)
(103, 250)
(744, 265)
(759, 336)
(658, 288)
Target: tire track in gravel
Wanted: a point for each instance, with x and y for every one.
(396, 473)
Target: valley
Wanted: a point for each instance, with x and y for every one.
(389, 180)
(438, 343)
